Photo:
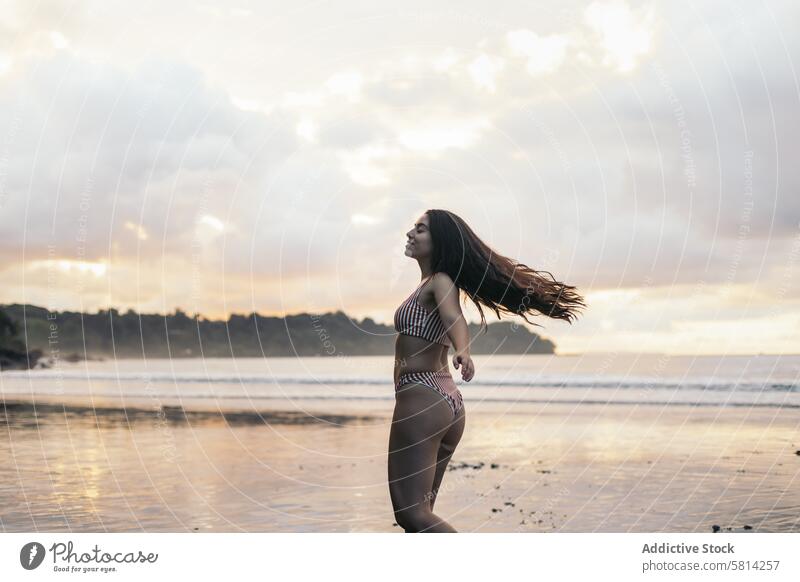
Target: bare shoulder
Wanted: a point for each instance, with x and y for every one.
(442, 283)
(446, 296)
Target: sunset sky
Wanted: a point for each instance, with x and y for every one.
(237, 157)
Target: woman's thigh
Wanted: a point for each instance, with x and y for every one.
(447, 447)
(421, 419)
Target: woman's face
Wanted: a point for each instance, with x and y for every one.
(419, 242)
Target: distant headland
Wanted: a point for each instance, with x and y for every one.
(71, 335)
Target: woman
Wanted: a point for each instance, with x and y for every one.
(429, 411)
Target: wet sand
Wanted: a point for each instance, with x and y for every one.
(549, 467)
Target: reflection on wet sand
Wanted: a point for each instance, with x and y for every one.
(26, 414)
(559, 468)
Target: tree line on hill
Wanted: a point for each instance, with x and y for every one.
(28, 331)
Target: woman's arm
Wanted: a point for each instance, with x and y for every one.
(446, 295)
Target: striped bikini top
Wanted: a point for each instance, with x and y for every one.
(412, 318)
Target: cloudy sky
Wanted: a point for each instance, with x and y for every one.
(236, 157)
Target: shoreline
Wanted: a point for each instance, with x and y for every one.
(199, 406)
(17, 409)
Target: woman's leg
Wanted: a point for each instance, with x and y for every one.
(446, 449)
(421, 419)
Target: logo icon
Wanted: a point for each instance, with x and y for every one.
(31, 555)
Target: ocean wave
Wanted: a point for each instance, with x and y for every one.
(575, 382)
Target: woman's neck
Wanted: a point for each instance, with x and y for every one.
(425, 270)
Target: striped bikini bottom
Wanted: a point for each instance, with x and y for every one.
(442, 382)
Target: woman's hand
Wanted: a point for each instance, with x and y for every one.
(464, 360)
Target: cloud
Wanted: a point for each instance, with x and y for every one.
(92, 148)
(544, 54)
(624, 35)
(483, 71)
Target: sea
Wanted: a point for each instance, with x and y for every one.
(507, 382)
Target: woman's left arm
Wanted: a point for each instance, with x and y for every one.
(446, 295)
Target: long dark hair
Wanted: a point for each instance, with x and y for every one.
(498, 282)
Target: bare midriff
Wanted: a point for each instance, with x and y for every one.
(414, 354)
